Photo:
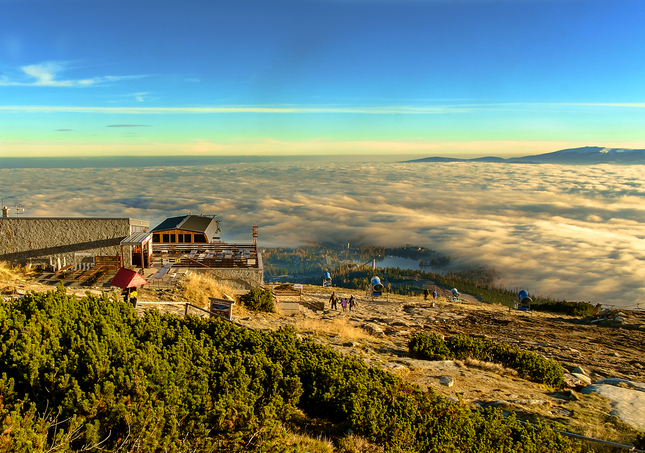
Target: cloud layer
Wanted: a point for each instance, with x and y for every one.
(569, 232)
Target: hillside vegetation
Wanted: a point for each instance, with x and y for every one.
(309, 262)
(530, 365)
(89, 375)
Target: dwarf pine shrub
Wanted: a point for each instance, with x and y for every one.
(530, 365)
(90, 375)
(570, 308)
(259, 300)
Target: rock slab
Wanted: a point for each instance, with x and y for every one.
(628, 404)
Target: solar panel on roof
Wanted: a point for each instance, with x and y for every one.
(170, 223)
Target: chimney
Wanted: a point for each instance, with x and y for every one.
(5, 212)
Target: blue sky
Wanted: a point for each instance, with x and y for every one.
(432, 77)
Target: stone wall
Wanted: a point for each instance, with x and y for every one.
(41, 240)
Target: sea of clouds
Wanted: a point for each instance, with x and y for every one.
(572, 232)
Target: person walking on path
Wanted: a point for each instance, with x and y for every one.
(434, 294)
(333, 301)
(352, 303)
(344, 304)
(425, 294)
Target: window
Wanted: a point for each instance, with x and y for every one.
(172, 238)
(180, 238)
(166, 238)
(188, 238)
(155, 238)
(200, 238)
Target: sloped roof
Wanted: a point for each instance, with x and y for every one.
(126, 278)
(136, 238)
(195, 223)
(170, 223)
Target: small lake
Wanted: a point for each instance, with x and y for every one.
(402, 263)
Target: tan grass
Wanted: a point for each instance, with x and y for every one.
(309, 444)
(490, 366)
(355, 444)
(198, 288)
(339, 327)
(11, 275)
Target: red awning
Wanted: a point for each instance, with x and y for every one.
(126, 278)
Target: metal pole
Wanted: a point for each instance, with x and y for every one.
(592, 439)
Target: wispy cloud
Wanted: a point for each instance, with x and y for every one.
(129, 125)
(384, 110)
(63, 130)
(47, 74)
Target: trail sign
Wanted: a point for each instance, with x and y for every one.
(222, 308)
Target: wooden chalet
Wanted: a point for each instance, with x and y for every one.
(186, 230)
(195, 241)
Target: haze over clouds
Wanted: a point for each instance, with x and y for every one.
(569, 232)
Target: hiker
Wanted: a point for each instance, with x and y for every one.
(425, 294)
(352, 303)
(333, 301)
(344, 303)
(434, 294)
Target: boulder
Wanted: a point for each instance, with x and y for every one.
(352, 344)
(572, 381)
(500, 403)
(397, 367)
(373, 329)
(583, 378)
(627, 399)
(532, 402)
(579, 370)
(448, 381)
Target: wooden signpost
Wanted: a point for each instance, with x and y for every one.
(222, 308)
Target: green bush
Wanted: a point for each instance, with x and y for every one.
(570, 308)
(88, 374)
(259, 300)
(530, 365)
(640, 441)
(429, 347)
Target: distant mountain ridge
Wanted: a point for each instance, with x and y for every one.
(587, 155)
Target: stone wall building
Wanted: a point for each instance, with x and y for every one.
(57, 242)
